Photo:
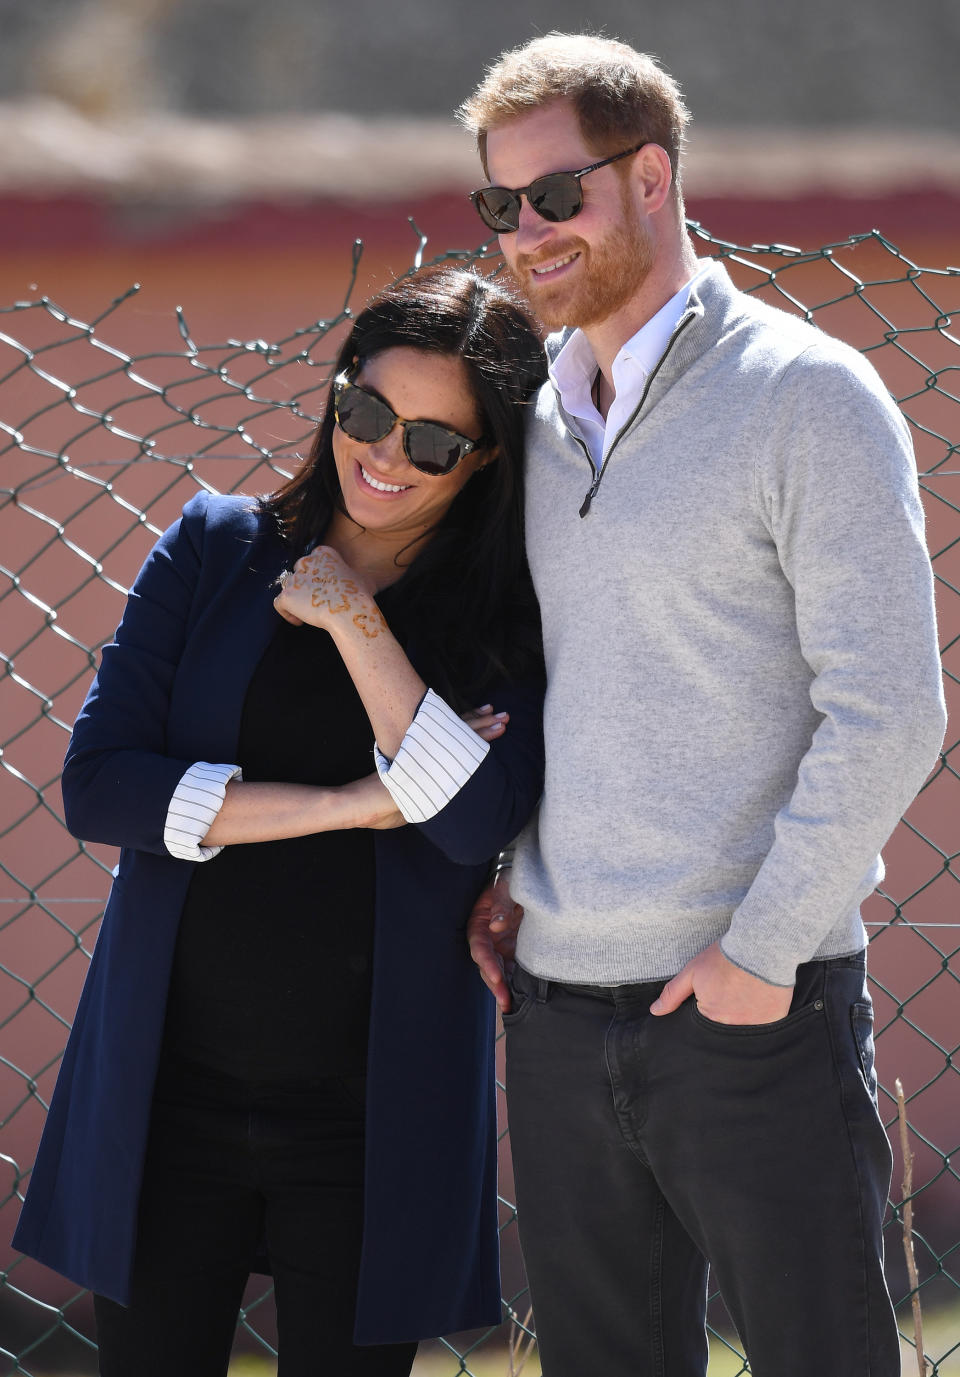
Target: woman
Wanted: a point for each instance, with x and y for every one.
(282, 1059)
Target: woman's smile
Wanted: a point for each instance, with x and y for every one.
(381, 486)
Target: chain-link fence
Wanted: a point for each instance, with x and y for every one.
(100, 449)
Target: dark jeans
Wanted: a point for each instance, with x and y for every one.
(645, 1147)
(231, 1168)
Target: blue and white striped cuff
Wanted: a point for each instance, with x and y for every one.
(196, 801)
(437, 756)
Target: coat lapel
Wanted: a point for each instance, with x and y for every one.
(234, 622)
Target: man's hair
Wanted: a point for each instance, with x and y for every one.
(620, 96)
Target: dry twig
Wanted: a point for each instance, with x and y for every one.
(517, 1349)
(908, 1229)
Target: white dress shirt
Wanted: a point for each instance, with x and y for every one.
(574, 372)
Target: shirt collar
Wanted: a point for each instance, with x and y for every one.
(574, 368)
(572, 372)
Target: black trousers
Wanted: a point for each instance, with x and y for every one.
(646, 1148)
(232, 1168)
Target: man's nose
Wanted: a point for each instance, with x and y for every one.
(533, 231)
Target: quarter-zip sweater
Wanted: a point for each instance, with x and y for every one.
(744, 688)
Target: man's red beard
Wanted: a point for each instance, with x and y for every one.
(608, 274)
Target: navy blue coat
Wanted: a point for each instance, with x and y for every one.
(170, 691)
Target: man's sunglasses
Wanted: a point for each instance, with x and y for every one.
(558, 196)
(430, 447)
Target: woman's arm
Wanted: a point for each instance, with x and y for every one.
(470, 796)
(494, 805)
(260, 811)
(323, 591)
(255, 811)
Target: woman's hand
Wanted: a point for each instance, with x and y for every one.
(485, 722)
(322, 590)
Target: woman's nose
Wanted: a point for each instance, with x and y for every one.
(388, 453)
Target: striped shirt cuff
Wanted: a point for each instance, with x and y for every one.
(437, 756)
(196, 801)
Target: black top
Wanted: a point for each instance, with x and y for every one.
(272, 970)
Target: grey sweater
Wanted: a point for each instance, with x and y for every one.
(744, 689)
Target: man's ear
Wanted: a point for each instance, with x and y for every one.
(652, 177)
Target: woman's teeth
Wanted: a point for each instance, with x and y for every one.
(552, 267)
(382, 487)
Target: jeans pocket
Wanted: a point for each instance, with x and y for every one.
(861, 1021)
(747, 1030)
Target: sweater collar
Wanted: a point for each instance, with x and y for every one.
(711, 293)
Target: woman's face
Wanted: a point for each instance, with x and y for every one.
(382, 491)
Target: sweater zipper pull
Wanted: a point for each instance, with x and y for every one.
(590, 495)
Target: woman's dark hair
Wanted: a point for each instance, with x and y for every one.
(468, 591)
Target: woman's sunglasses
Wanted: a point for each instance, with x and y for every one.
(556, 197)
(429, 446)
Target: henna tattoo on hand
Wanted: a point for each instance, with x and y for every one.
(327, 580)
(370, 623)
(328, 589)
(333, 588)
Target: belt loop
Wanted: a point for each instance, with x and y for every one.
(543, 989)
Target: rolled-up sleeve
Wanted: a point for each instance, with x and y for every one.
(437, 756)
(196, 801)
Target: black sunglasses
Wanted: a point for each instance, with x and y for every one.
(430, 447)
(558, 196)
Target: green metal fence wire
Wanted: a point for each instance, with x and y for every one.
(100, 447)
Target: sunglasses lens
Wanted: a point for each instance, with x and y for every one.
(362, 416)
(498, 208)
(556, 197)
(431, 449)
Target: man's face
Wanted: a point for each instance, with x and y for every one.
(579, 271)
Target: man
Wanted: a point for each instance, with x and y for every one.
(743, 696)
